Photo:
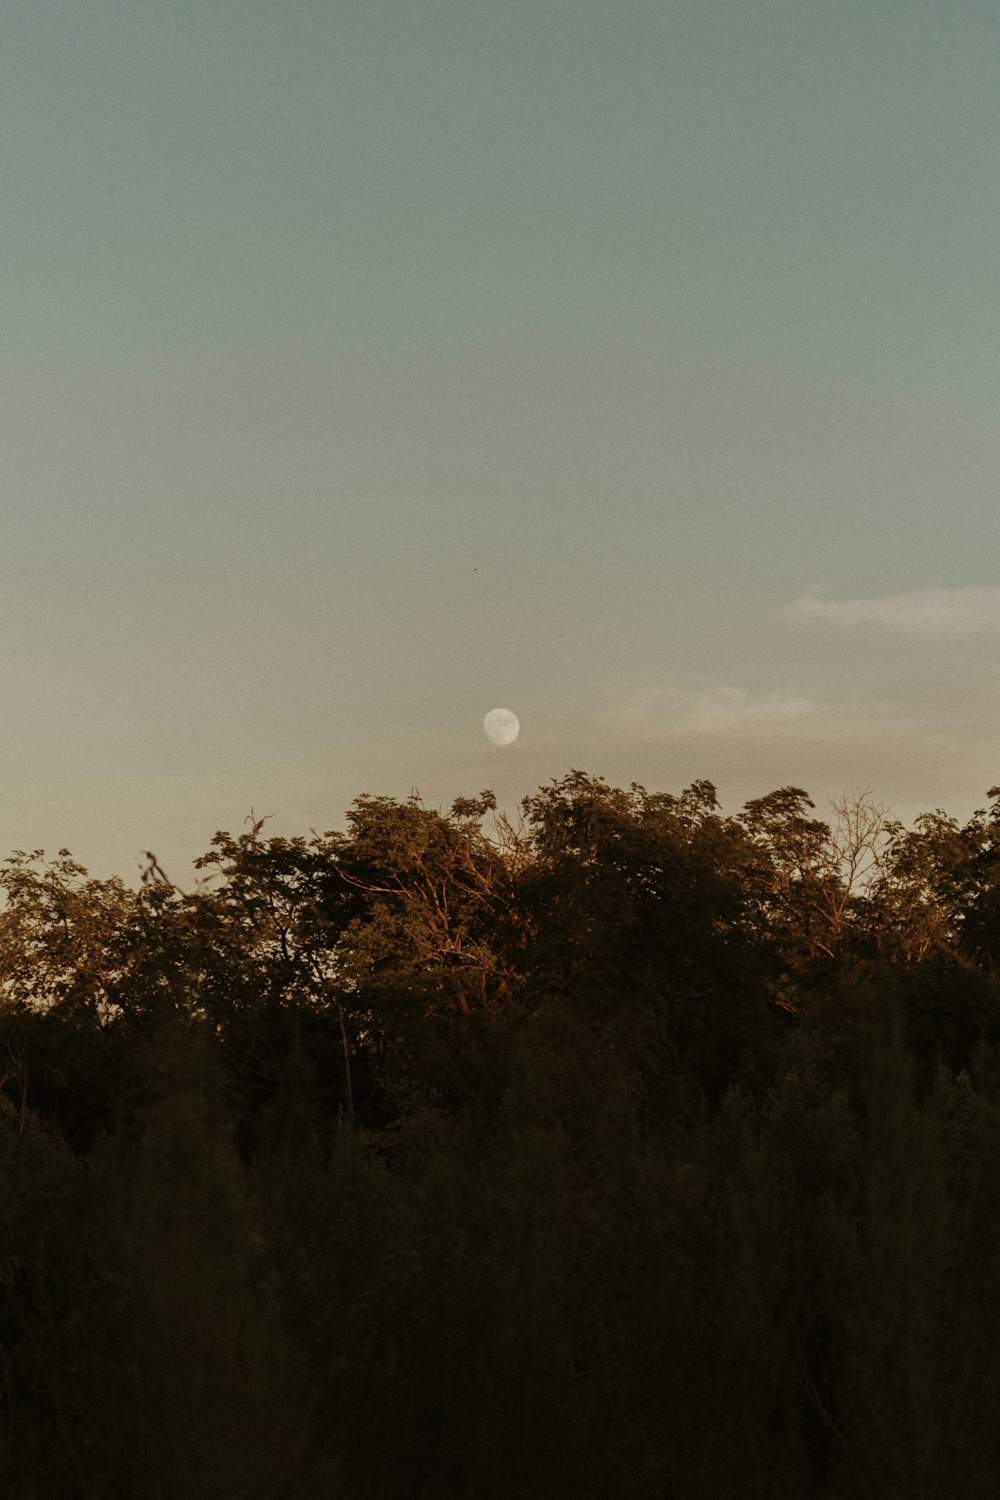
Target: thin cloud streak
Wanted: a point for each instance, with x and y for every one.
(937, 612)
(670, 711)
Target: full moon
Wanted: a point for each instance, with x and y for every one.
(501, 726)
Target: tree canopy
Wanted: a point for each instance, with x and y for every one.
(619, 1146)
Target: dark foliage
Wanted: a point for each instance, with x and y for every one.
(628, 1148)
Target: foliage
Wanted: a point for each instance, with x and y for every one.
(625, 1147)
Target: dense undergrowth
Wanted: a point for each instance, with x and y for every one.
(633, 1150)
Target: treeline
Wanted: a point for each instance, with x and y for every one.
(627, 1148)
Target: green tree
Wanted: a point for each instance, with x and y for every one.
(811, 876)
(918, 901)
(60, 960)
(431, 887)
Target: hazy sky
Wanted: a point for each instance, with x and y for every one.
(367, 365)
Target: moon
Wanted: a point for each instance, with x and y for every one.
(501, 727)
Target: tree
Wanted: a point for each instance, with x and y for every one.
(634, 920)
(811, 876)
(431, 887)
(918, 899)
(59, 960)
(282, 907)
(979, 873)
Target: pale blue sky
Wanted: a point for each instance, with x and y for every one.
(367, 365)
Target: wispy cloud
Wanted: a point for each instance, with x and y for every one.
(722, 705)
(690, 709)
(919, 612)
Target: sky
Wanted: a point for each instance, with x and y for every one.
(369, 364)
